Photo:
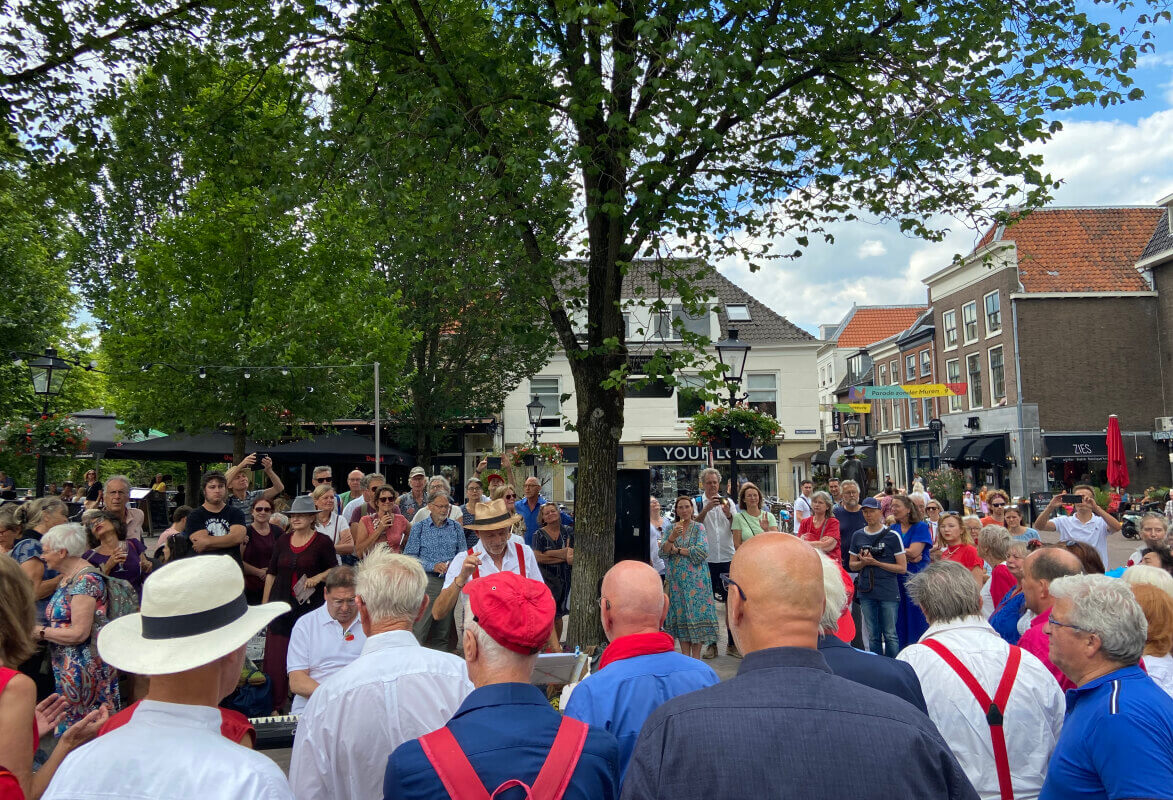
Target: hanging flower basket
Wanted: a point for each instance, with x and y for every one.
(719, 424)
(47, 435)
(544, 453)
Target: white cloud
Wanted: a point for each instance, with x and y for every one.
(871, 249)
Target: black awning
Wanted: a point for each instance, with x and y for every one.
(1076, 446)
(824, 456)
(976, 450)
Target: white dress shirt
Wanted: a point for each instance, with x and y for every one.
(508, 564)
(718, 532)
(1160, 669)
(1034, 711)
(169, 752)
(319, 646)
(395, 691)
(1094, 532)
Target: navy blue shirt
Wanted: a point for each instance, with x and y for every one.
(874, 582)
(786, 727)
(1116, 742)
(849, 523)
(886, 674)
(506, 730)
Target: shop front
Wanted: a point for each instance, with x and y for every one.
(923, 452)
(676, 468)
(982, 458)
(1074, 458)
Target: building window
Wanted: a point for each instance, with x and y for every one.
(997, 376)
(953, 375)
(926, 363)
(897, 415)
(549, 394)
(914, 413)
(885, 406)
(973, 370)
(894, 367)
(763, 393)
(910, 367)
(949, 325)
(926, 410)
(696, 323)
(969, 319)
(737, 312)
(689, 401)
(993, 313)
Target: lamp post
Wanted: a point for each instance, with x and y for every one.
(851, 428)
(732, 353)
(48, 374)
(535, 409)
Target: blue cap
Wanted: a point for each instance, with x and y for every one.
(870, 502)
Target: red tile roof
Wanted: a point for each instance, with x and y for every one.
(872, 323)
(1080, 249)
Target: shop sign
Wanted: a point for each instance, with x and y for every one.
(691, 453)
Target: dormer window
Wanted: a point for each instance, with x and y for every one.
(737, 312)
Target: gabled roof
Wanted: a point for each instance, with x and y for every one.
(1080, 249)
(764, 326)
(1162, 241)
(870, 324)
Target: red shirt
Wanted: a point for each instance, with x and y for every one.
(1035, 642)
(233, 724)
(964, 554)
(830, 527)
(1001, 582)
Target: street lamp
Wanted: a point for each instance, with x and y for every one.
(851, 428)
(535, 409)
(48, 374)
(732, 353)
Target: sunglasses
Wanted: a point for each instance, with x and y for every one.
(323, 480)
(997, 505)
(510, 497)
(932, 508)
(386, 499)
(258, 509)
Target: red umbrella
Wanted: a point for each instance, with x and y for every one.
(1117, 463)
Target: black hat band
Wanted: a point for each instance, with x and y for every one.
(196, 623)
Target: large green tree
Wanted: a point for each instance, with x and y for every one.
(204, 272)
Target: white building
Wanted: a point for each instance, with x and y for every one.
(780, 378)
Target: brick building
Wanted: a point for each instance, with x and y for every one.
(1047, 321)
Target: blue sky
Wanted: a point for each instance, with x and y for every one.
(1122, 155)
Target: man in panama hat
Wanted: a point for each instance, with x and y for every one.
(190, 638)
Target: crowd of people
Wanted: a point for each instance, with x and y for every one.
(403, 630)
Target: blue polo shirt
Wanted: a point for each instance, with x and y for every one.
(531, 516)
(620, 697)
(505, 730)
(1116, 743)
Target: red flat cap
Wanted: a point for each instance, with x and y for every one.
(516, 612)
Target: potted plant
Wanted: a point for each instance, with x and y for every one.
(718, 425)
(46, 435)
(543, 453)
(946, 484)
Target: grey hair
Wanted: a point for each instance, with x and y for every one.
(1108, 608)
(70, 537)
(370, 478)
(1157, 516)
(825, 497)
(391, 585)
(709, 471)
(994, 541)
(341, 576)
(844, 484)
(1018, 546)
(29, 514)
(443, 482)
(323, 471)
(279, 519)
(437, 494)
(1147, 573)
(117, 479)
(835, 593)
(945, 591)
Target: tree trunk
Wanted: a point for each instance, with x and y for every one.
(239, 437)
(192, 484)
(600, 426)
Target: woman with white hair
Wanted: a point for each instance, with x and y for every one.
(1154, 532)
(75, 614)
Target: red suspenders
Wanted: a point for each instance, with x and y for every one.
(476, 573)
(461, 781)
(995, 709)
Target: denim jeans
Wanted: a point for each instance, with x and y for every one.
(881, 621)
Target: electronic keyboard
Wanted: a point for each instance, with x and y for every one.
(276, 732)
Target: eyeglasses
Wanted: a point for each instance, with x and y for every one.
(510, 497)
(726, 582)
(323, 480)
(386, 499)
(932, 508)
(258, 509)
(1052, 621)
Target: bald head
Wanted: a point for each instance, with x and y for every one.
(1041, 567)
(782, 580)
(633, 600)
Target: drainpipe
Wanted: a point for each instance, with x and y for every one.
(1022, 461)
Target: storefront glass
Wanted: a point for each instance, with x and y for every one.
(669, 480)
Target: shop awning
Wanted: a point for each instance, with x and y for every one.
(976, 450)
(866, 454)
(1076, 446)
(343, 446)
(824, 456)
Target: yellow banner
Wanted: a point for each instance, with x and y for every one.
(926, 390)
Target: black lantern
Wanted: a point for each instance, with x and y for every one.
(851, 428)
(732, 353)
(48, 374)
(535, 409)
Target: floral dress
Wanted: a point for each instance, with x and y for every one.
(83, 679)
(692, 611)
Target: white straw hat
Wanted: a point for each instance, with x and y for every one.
(193, 612)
